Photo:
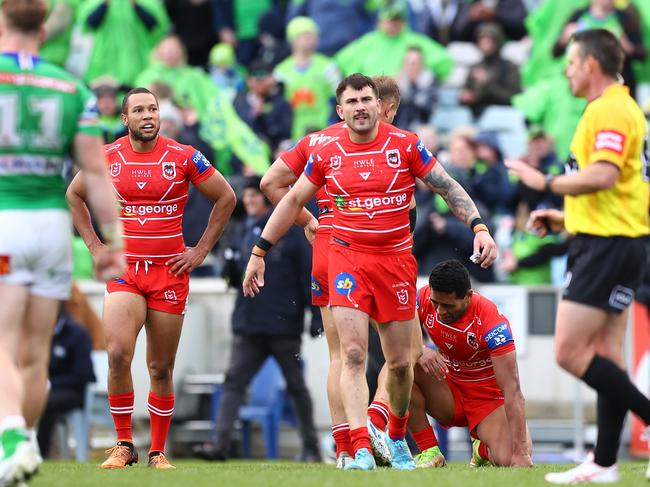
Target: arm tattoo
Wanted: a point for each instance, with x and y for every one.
(453, 193)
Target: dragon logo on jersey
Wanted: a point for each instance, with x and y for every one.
(402, 296)
(335, 162)
(472, 341)
(393, 158)
(169, 170)
(116, 168)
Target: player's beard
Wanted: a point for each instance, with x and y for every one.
(364, 129)
(141, 137)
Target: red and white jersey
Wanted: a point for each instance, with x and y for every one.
(468, 344)
(370, 186)
(151, 188)
(296, 158)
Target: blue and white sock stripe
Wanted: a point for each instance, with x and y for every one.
(159, 412)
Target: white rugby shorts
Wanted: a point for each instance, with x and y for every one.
(36, 251)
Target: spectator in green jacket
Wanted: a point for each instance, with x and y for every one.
(191, 85)
(123, 33)
(382, 51)
(309, 78)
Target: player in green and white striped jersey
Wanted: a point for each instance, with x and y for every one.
(46, 116)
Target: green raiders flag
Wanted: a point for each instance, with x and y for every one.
(121, 30)
(42, 108)
(228, 134)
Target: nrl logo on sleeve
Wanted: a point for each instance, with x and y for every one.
(393, 158)
(335, 162)
(169, 170)
(115, 169)
(429, 321)
(402, 296)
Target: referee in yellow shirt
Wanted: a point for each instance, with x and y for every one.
(606, 207)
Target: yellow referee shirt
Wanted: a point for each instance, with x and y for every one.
(612, 129)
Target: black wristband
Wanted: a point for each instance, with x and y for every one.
(548, 180)
(476, 221)
(264, 244)
(413, 216)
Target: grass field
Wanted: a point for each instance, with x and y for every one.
(281, 474)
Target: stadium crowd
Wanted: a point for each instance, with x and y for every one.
(243, 80)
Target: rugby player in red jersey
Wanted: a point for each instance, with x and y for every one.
(276, 182)
(151, 176)
(369, 173)
(472, 379)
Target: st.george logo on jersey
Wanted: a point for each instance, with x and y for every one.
(471, 340)
(169, 170)
(116, 168)
(393, 158)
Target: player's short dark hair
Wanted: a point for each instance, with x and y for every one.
(450, 276)
(604, 47)
(387, 89)
(25, 15)
(356, 81)
(134, 91)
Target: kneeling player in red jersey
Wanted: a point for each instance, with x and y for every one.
(472, 379)
(150, 175)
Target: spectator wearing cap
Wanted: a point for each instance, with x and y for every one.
(263, 107)
(494, 80)
(106, 90)
(271, 325)
(490, 181)
(418, 91)
(382, 51)
(190, 85)
(340, 21)
(224, 70)
(309, 78)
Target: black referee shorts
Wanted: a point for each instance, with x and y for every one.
(604, 272)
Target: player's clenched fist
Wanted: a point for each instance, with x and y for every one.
(486, 249)
(254, 276)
